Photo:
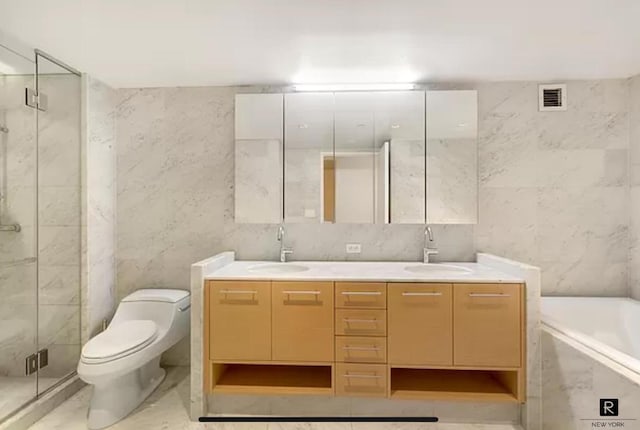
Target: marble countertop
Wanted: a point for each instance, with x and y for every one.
(363, 271)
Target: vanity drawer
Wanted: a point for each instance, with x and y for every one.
(367, 295)
(240, 320)
(365, 380)
(357, 349)
(488, 324)
(361, 322)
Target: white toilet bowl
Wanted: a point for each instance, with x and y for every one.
(123, 362)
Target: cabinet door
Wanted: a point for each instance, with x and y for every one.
(259, 116)
(420, 324)
(487, 325)
(302, 321)
(240, 320)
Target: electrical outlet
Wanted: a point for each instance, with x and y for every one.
(354, 248)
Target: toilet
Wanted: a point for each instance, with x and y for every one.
(123, 362)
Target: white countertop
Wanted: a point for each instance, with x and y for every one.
(362, 271)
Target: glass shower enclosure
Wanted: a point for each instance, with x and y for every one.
(40, 225)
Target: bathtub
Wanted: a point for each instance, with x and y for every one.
(590, 351)
(606, 325)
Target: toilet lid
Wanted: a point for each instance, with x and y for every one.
(121, 339)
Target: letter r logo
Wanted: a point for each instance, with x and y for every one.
(608, 407)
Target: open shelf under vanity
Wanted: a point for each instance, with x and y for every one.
(448, 384)
(281, 379)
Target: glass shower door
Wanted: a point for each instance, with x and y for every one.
(59, 219)
(18, 233)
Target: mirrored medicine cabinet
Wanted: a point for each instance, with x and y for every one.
(397, 157)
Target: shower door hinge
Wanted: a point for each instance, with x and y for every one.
(43, 358)
(31, 364)
(36, 100)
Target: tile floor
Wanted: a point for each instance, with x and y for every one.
(166, 409)
(15, 391)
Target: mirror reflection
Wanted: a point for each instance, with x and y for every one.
(357, 157)
(308, 131)
(452, 155)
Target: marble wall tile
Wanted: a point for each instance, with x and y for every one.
(573, 384)
(452, 181)
(634, 193)
(17, 336)
(59, 285)
(98, 206)
(554, 185)
(18, 283)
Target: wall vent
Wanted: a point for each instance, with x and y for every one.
(552, 97)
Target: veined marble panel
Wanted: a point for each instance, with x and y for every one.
(634, 194)
(452, 181)
(554, 185)
(98, 206)
(574, 383)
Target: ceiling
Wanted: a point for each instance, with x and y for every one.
(146, 43)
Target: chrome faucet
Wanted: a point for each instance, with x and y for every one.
(284, 251)
(429, 245)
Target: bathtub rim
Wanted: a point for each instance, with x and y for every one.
(594, 346)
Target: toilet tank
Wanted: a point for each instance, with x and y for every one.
(162, 306)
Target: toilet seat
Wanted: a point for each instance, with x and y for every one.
(119, 341)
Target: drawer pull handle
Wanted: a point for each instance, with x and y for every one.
(356, 320)
(361, 293)
(407, 294)
(360, 348)
(238, 292)
(489, 295)
(315, 293)
(361, 375)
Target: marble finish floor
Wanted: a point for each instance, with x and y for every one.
(15, 391)
(167, 408)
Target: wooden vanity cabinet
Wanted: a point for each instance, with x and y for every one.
(302, 315)
(240, 320)
(401, 340)
(420, 324)
(488, 324)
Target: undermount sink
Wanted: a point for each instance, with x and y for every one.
(275, 268)
(436, 268)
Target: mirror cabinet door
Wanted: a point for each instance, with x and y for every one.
(400, 135)
(308, 166)
(258, 158)
(359, 190)
(452, 157)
